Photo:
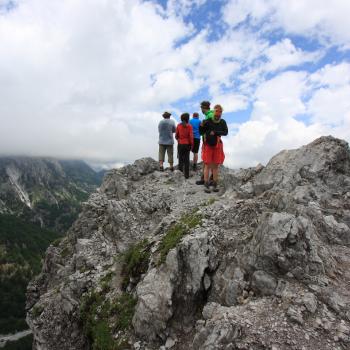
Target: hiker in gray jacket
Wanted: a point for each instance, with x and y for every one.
(166, 129)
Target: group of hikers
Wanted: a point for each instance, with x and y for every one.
(188, 134)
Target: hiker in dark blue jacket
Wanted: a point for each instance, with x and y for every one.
(195, 122)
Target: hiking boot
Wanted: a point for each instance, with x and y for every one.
(206, 188)
(215, 187)
(171, 168)
(194, 167)
(200, 182)
(161, 168)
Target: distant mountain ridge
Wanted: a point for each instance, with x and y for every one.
(39, 200)
(47, 191)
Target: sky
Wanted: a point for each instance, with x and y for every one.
(90, 79)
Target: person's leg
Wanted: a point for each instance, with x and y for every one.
(181, 158)
(171, 156)
(186, 160)
(215, 170)
(211, 180)
(161, 155)
(206, 172)
(195, 158)
(202, 181)
(206, 177)
(196, 143)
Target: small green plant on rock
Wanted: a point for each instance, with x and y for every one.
(135, 262)
(210, 201)
(103, 316)
(37, 310)
(123, 308)
(65, 252)
(57, 242)
(175, 233)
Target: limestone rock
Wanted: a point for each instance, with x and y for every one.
(263, 264)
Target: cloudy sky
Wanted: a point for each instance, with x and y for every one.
(90, 78)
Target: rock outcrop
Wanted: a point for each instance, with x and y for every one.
(153, 262)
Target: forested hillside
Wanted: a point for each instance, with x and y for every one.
(39, 200)
(22, 246)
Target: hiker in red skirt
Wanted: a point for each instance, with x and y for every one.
(212, 150)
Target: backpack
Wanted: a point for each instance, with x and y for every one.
(211, 140)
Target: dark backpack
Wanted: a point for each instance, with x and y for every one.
(211, 140)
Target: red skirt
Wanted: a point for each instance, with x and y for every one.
(213, 154)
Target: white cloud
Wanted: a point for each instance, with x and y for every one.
(331, 106)
(318, 18)
(183, 7)
(170, 86)
(284, 54)
(332, 75)
(256, 141)
(279, 101)
(236, 11)
(231, 102)
(89, 79)
(84, 72)
(281, 97)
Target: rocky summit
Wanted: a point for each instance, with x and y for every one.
(153, 262)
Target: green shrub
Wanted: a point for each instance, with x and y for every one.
(135, 262)
(57, 242)
(102, 336)
(210, 201)
(175, 233)
(37, 310)
(123, 308)
(65, 252)
(101, 318)
(23, 246)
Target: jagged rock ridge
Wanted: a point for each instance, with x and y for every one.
(262, 265)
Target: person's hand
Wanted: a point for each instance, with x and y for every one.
(212, 133)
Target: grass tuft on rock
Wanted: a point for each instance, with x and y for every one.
(175, 233)
(102, 318)
(123, 308)
(135, 263)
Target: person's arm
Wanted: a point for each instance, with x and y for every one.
(203, 127)
(177, 135)
(223, 130)
(174, 127)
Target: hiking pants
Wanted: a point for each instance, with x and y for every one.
(184, 158)
(169, 149)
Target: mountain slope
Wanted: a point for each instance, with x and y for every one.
(45, 190)
(153, 262)
(22, 246)
(39, 200)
